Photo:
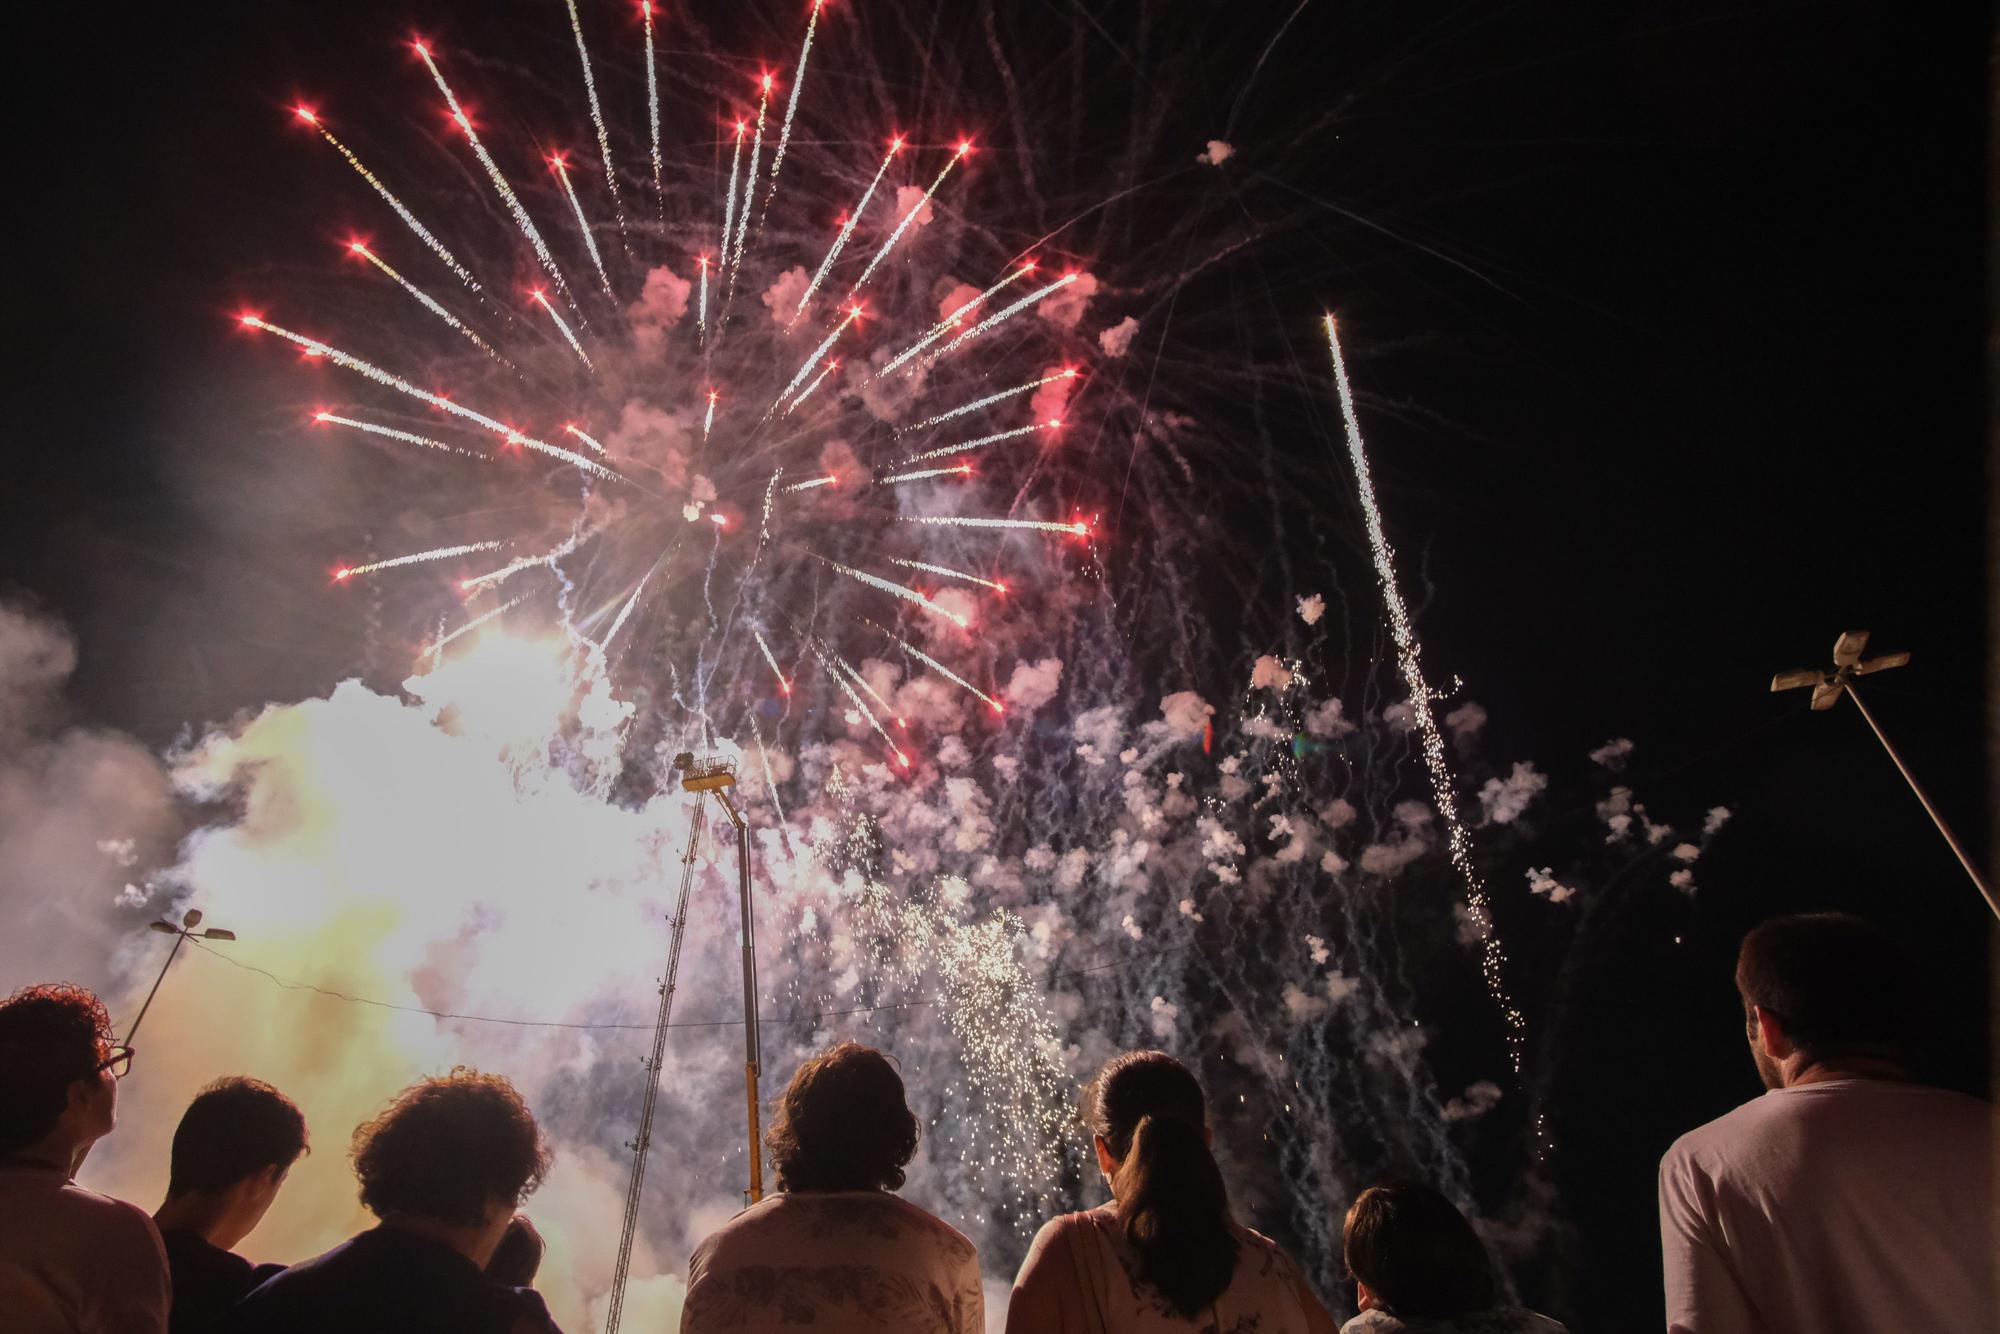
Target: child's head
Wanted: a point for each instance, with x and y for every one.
(1414, 1253)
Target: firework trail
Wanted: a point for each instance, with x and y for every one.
(421, 232)
(346, 572)
(652, 98)
(1067, 373)
(560, 166)
(1409, 654)
(952, 321)
(447, 640)
(1000, 317)
(938, 667)
(597, 119)
(903, 223)
(921, 475)
(500, 186)
(729, 199)
(569, 335)
(847, 225)
(749, 183)
(980, 442)
(946, 570)
(839, 674)
(426, 301)
(391, 433)
(583, 436)
(807, 392)
(826, 346)
(831, 479)
(791, 107)
(1079, 528)
(784, 686)
(902, 591)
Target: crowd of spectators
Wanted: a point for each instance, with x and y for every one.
(1850, 1197)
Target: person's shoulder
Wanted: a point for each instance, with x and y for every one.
(1373, 1322)
(1080, 1222)
(120, 1222)
(927, 1222)
(1724, 1133)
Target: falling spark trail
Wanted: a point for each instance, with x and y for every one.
(921, 474)
(938, 667)
(415, 558)
(860, 705)
(846, 230)
(806, 392)
(1409, 653)
(409, 219)
(903, 224)
(1078, 529)
(582, 223)
(426, 300)
(900, 590)
(831, 479)
(826, 345)
(597, 118)
(584, 436)
(791, 108)
(981, 442)
(873, 693)
(953, 320)
(314, 347)
(618, 621)
(1067, 373)
(947, 572)
(701, 311)
(729, 200)
(777, 671)
(500, 186)
(749, 185)
(652, 97)
(708, 421)
(391, 433)
(771, 785)
(444, 641)
(512, 568)
(568, 335)
(999, 317)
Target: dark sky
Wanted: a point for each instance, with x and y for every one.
(1716, 397)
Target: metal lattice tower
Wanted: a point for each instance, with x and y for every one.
(615, 1308)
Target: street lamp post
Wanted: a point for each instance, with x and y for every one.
(182, 934)
(1828, 687)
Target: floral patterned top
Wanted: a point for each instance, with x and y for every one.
(834, 1262)
(1081, 1278)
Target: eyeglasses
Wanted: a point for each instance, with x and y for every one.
(119, 1063)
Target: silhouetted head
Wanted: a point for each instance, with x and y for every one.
(1150, 1120)
(843, 1124)
(56, 1069)
(454, 1149)
(1412, 1250)
(1834, 986)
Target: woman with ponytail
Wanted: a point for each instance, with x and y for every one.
(1165, 1256)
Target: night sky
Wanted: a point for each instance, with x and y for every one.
(1713, 397)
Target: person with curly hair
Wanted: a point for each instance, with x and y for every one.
(834, 1250)
(1165, 1256)
(71, 1261)
(235, 1144)
(444, 1167)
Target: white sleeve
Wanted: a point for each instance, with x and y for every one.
(1702, 1291)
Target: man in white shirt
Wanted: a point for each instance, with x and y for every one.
(71, 1261)
(1847, 1198)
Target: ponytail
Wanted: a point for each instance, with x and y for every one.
(1174, 1210)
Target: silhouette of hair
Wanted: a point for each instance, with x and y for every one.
(447, 1148)
(233, 1129)
(1416, 1252)
(1172, 1205)
(50, 1036)
(1836, 984)
(842, 1124)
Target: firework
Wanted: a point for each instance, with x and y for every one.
(560, 165)
(346, 572)
(391, 433)
(425, 299)
(1067, 373)
(421, 232)
(597, 119)
(847, 224)
(980, 442)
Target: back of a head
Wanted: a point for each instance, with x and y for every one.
(1172, 1204)
(50, 1036)
(842, 1123)
(1836, 984)
(233, 1129)
(1416, 1252)
(447, 1149)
